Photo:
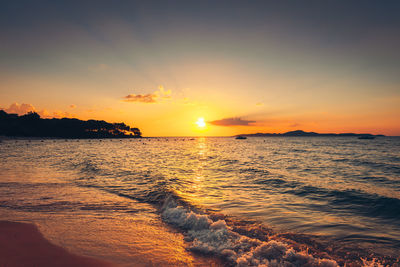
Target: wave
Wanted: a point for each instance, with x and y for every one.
(390, 165)
(240, 242)
(355, 201)
(217, 238)
(343, 201)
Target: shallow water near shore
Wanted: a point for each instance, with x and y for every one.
(338, 198)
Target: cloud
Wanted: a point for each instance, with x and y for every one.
(155, 97)
(163, 93)
(20, 109)
(232, 122)
(149, 98)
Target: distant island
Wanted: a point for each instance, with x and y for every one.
(31, 125)
(301, 133)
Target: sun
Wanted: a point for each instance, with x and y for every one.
(201, 123)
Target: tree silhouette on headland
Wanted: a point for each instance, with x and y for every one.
(31, 125)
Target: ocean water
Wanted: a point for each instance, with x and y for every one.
(319, 201)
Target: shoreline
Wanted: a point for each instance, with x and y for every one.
(22, 244)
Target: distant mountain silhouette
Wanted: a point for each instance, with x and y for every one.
(307, 134)
(31, 125)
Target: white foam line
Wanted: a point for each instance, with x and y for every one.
(215, 237)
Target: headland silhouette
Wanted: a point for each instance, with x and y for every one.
(31, 125)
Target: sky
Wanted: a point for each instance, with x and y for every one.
(239, 66)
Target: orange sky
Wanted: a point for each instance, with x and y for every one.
(244, 69)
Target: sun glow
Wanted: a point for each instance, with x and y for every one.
(201, 123)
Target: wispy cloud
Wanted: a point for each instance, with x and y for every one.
(148, 98)
(161, 92)
(232, 122)
(155, 97)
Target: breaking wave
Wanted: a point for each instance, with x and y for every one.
(217, 238)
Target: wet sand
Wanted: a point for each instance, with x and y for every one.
(21, 244)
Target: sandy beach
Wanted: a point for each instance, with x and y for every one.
(23, 245)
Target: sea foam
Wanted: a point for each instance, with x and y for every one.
(217, 238)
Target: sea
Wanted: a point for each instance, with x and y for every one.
(199, 201)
